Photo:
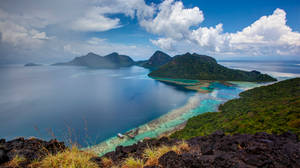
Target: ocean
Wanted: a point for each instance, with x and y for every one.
(90, 107)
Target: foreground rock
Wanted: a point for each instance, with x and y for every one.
(30, 149)
(220, 150)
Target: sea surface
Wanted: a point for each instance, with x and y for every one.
(90, 107)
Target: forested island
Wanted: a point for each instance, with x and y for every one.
(202, 67)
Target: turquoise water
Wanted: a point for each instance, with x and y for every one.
(197, 104)
(90, 107)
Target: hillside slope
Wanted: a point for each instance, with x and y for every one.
(272, 109)
(201, 67)
(158, 59)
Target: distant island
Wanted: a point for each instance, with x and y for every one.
(92, 60)
(202, 67)
(32, 64)
(186, 66)
(158, 59)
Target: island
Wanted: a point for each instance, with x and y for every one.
(158, 59)
(32, 64)
(92, 60)
(202, 67)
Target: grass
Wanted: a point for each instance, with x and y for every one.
(153, 154)
(106, 162)
(133, 163)
(70, 158)
(16, 162)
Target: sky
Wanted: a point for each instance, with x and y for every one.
(52, 31)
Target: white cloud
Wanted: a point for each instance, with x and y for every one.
(16, 32)
(102, 47)
(172, 20)
(268, 32)
(269, 35)
(164, 43)
(94, 20)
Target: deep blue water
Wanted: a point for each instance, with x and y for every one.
(75, 101)
(78, 102)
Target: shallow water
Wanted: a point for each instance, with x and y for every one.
(91, 106)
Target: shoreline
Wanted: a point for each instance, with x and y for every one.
(175, 119)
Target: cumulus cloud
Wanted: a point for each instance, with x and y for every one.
(94, 20)
(172, 20)
(164, 43)
(269, 35)
(39, 27)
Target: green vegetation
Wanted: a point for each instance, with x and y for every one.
(156, 60)
(201, 67)
(272, 109)
(91, 60)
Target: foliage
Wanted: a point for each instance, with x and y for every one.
(71, 158)
(272, 109)
(133, 163)
(201, 67)
(16, 162)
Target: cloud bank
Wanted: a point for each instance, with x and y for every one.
(58, 30)
(269, 35)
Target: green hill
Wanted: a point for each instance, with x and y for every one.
(110, 61)
(272, 109)
(201, 67)
(158, 59)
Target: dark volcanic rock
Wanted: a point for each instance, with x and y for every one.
(31, 149)
(137, 150)
(220, 150)
(171, 159)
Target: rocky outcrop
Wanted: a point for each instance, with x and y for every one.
(220, 150)
(137, 150)
(30, 149)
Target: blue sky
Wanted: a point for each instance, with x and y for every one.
(50, 31)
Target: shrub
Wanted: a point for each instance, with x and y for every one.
(133, 163)
(70, 158)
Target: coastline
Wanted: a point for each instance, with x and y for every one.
(176, 119)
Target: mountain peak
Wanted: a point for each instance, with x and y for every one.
(113, 54)
(91, 54)
(202, 67)
(158, 59)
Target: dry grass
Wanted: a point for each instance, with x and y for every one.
(70, 158)
(181, 147)
(16, 161)
(107, 163)
(133, 163)
(153, 154)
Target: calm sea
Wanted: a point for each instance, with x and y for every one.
(77, 103)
